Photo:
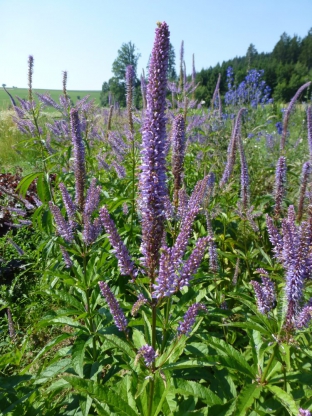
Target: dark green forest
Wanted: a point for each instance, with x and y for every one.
(286, 68)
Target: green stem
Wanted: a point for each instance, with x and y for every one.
(152, 383)
(165, 332)
(266, 370)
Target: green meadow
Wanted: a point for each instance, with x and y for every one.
(23, 93)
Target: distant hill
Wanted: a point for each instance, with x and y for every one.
(23, 93)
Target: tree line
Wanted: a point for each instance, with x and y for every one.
(286, 68)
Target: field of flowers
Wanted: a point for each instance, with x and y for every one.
(158, 261)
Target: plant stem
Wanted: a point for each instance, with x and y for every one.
(266, 370)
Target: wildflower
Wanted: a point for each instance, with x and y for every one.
(137, 305)
(304, 317)
(79, 157)
(185, 326)
(280, 181)
(118, 315)
(231, 151)
(178, 149)
(148, 353)
(124, 261)
(288, 112)
(63, 228)
(306, 170)
(309, 125)
(153, 174)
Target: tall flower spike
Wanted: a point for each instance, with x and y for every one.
(306, 170)
(65, 83)
(118, 315)
(92, 198)
(153, 172)
(124, 261)
(244, 175)
(213, 256)
(304, 317)
(193, 70)
(309, 126)
(79, 157)
(129, 88)
(30, 74)
(181, 65)
(63, 228)
(178, 150)
(216, 91)
(143, 90)
(185, 326)
(288, 112)
(280, 181)
(193, 208)
(231, 152)
(69, 204)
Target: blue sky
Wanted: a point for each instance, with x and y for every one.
(83, 36)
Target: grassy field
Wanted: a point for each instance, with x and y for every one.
(23, 93)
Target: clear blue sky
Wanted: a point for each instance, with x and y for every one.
(83, 36)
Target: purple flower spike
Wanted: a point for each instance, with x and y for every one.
(178, 149)
(185, 326)
(130, 78)
(288, 112)
(306, 170)
(148, 353)
(153, 172)
(63, 228)
(280, 181)
(124, 261)
(191, 265)
(193, 208)
(79, 157)
(309, 125)
(165, 280)
(137, 305)
(69, 204)
(304, 317)
(93, 198)
(231, 151)
(115, 309)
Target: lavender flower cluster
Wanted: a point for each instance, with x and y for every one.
(292, 250)
(252, 90)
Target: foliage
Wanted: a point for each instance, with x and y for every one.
(130, 304)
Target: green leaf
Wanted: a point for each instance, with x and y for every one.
(285, 399)
(173, 352)
(52, 370)
(230, 357)
(209, 361)
(125, 389)
(62, 320)
(192, 388)
(138, 338)
(121, 345)
(24, 184)
(7, 383)
(85, 404)
(147, 328)
(102, 394)
(43, 189)
(78, 353)
(47, 347)
(246, 398)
